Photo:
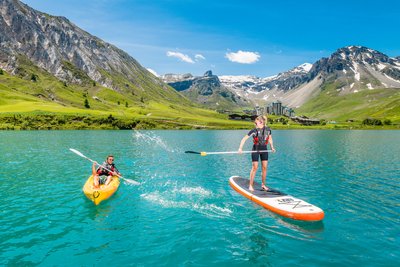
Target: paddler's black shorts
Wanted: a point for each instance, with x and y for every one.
(103, 175)
(102, 179)
(256, 155)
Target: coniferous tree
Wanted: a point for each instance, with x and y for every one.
(34, 77)
(86, 103)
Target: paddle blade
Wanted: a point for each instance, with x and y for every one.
(129, 181)
(77, 152)
(193, 152)
(132, 182)
(203, 153)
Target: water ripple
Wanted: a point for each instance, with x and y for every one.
(185, 213)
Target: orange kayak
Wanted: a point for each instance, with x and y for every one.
(97, 195)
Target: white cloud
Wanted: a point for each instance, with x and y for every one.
(153, 72)
(199, 57)
(180, 56)
(243, 57)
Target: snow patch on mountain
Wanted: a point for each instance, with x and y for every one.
(380, 66)
(357, 75)
(306, 67)
(244, 79)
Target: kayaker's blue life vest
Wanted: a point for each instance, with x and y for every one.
(102, 171)
(262, 136)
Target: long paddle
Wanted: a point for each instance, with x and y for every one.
(224, 152)
(83, 156)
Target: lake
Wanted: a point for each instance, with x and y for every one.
(184, 213)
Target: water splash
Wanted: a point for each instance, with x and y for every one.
(151, 139)
(193, 191)
(192, 198)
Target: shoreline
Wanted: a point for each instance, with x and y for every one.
(22, 122)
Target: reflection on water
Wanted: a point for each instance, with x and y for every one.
(302, 226)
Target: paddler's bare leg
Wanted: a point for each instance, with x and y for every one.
(264, 168)
(253, 174)
(96, 181)
(108, 181)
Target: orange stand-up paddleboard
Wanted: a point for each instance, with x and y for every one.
(276, 201)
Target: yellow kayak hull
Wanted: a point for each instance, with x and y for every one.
(97, 195)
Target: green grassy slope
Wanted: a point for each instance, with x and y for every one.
(377, 103)
(32, 94)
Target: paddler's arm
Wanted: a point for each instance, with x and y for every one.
(271, 143)
(116, 172)
(94, 171)
(242, 143)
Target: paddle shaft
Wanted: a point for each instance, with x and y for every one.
(235, 152)
(226, 152)
(106, 169)
(83, 156)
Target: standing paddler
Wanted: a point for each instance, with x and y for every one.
(262, 136)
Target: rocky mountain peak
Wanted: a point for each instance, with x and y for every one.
(206, 90)
(361, 54)
(208, 73)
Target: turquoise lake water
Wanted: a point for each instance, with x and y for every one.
(184, 213)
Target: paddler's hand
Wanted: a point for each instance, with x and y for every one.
(273, 150)
(95, 163)
(240, 150)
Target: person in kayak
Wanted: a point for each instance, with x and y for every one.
(262, 136)
(104, 173)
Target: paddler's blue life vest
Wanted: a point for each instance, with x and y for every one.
(262, 136)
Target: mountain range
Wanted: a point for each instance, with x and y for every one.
(206, 90)
(49, 64)
(351, 70)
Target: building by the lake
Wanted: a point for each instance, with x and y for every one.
(274, 108)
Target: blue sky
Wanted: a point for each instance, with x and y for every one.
(260, 38)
